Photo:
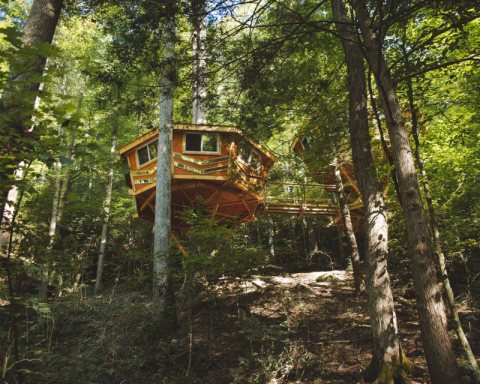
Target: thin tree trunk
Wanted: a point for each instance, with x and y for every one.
(162, 225)
(52, 229)
(441, 360)
(271, 238)
(61, 183)
(16, 112)
(199, 115)
(347, 222)
(467, 350)
(14, 335)
(106, 213)
(9, 208)
(385, 148)
(312, 237)
(388, 360)
(306, 247)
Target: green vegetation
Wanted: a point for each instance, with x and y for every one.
(278, 71)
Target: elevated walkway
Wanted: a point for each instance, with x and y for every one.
(303, 199)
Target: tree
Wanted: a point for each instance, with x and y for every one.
(438, 347)
(435, 231)
(388, 360)
(199, 64)
(106, 211)
(162, 225)
(20, 91)
(347, 222)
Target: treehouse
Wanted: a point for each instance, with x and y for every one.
(216, 166)
(326, 177)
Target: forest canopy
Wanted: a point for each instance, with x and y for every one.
(359, 120)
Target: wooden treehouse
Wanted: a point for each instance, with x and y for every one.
(215, 165)
(226, 172)
(326, 178)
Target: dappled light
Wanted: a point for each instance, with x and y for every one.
(239, 192)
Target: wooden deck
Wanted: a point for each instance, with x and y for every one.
(226, 174)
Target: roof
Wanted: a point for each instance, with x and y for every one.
(199, 128)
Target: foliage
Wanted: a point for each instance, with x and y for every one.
(217, 250)
(276, 70)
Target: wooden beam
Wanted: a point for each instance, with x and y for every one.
(226, 215)
(231, 204)
(186, 196)
(147, 201)
(135, 192)
(200, 177)
(214, 212)
(247, 207)
(178, 245)
(180, 187)
(138, 141)
(350, 180)
(152, 208)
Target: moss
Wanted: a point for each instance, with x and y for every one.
(396, 372)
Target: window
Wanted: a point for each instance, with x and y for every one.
(147, 153)
(306, 144)
(249, 156)
(201, 142)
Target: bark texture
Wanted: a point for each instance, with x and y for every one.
(347, 222)
(162, 225)
(467, 350)
(106, 213)
(20, 91)
(437, 344)
(199, 115)
(60, 191)
(387, 361)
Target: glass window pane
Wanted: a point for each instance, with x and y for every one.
(255, 160)
(209, 143)
(244, 152)
(306, 144)
(193, 142)
(142, 154)
(152, 147)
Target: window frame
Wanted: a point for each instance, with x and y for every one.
(216, 135)
(254, 159)
(307, 147)
(147, 145)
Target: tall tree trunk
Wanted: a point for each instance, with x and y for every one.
(52, 230)
(441, 360)
(9, 208)
(106, 213)
(467, 350)
(162, 225)
(271, 238)
(347, 222)
(385, 148)
(20, 91)
(61, 183)
(388, 359)
(199, 115)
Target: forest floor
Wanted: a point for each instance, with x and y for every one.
(300, 328)
(271, 328)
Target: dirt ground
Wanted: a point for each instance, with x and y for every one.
(291, 328)
(271, 328)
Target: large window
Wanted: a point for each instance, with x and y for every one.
(202, 142)
(249, 156)
(147, 153)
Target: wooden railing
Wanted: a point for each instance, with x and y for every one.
(298, 199)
